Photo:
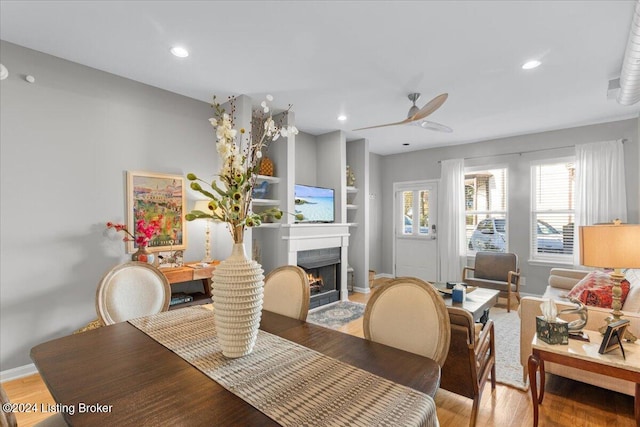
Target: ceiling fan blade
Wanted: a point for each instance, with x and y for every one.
(388, 124)
(425, 124)
(430, 107)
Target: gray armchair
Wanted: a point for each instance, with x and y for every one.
(495, 270)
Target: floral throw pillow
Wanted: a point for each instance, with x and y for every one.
(595, 290)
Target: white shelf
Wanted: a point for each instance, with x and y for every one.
(352, 207)
(265, 202)
(269, 225)
(269, 179)
(352, 224)
(352, 189)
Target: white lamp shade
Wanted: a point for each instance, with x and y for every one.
(610, 246)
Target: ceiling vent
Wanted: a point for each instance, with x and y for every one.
(629, 92)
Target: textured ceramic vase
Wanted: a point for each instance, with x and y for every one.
(143, 255)
(237, 288)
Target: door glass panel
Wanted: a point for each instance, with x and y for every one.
(407, 210)
(424, 212)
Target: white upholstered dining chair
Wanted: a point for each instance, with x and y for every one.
(409, 314)
(130, 290)
(286, 292)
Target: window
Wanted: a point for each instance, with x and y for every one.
(486, 209)
(552, 216)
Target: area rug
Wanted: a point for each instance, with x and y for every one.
(507, 328)
(336, 315)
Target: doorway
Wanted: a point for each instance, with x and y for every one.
(415, 230)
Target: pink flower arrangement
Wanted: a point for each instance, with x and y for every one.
(144, 232)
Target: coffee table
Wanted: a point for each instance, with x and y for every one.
(477, 302)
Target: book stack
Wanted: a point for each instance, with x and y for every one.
(180, 298)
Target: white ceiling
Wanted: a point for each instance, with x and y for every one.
(359, 58)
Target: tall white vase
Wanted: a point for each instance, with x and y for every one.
(237, 289)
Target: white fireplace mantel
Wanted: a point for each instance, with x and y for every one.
(304, 237)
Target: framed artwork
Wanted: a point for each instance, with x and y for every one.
(161, 197)
(613, 336)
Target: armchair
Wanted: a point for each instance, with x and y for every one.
(495, 270)
(470, 360)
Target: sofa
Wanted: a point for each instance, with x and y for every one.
(561, 281)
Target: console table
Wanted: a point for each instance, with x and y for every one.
(189, 272)
(584, 355)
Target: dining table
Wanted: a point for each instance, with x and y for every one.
(119, 375)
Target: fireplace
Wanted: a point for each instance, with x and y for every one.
(323, 270)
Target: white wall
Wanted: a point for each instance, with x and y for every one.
(423, 164)
(66, 143)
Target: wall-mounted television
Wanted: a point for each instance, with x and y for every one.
(316, 204)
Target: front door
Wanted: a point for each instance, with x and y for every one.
(415, 248)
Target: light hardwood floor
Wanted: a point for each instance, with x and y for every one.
(566, 403)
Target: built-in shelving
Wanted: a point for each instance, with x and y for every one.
(270, 225)
(265, 202)
(352, 189)
(352, 206)
(269, 179)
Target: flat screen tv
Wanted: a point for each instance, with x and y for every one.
(316, 204)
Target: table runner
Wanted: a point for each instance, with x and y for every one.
(290, 383)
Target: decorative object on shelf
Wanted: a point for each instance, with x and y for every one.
(613, 337)
(575, 326)
(260, 190)
(170, 259)
(157, 196)
(611, 246)
(351, 178)
(266, 167)
(238, 282)
(203, 205)
(143, 234)
(143, 255)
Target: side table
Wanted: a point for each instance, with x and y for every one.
(584, 355)
(189, 272)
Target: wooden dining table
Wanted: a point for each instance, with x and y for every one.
(120, 376)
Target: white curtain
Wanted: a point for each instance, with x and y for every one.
(601, 194)
(451, 230)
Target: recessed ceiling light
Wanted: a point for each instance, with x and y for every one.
(530, 65)
(179, 51)
(342, 117)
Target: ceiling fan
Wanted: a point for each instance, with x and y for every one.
(416, 115)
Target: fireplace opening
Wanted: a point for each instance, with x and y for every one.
(323, 271)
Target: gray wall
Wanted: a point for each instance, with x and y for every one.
(306, 159)
(66, 142)
(423, 164)
(375, 213)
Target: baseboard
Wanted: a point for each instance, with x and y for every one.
(362, 290)
(384, 275)
(19, 372)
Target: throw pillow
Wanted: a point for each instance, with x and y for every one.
(595, 290)
(632, 304)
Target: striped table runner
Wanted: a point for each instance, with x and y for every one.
(290, 383)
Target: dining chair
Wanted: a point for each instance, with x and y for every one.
(8, 418)
(495, 270)
(286, 292)
(409, 314)
(130, 290)
(471, 359)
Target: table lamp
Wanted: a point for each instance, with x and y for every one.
(614, 246)
(203, 205)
